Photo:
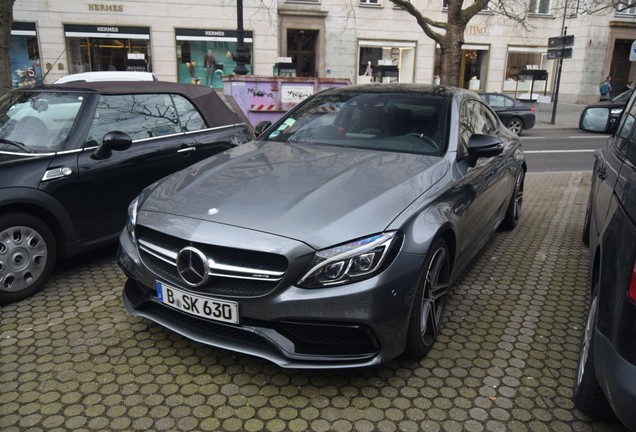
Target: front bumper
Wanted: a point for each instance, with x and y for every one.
(354, 325)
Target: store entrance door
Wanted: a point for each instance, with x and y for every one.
(301, 47)
(621, 65)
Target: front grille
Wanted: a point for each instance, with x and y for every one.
(232, 283)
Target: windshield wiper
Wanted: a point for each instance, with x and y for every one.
(17, 144)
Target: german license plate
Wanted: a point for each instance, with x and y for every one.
(204, 307)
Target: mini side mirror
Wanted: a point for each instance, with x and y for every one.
(480, 145)
(261, 126)
(115, 140)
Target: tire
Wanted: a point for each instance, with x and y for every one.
(515, 124)
(27, 256)
(587, 394)
(514, 206)
(430, 301)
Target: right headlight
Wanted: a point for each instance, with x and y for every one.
(133, 209)
(351, 262)
(131, 220)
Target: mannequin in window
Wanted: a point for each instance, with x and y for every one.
(210, 67)
(191, 65)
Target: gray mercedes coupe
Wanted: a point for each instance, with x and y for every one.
(331, 240)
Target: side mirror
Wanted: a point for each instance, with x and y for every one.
(115, 140)
(261, 126)
(484, 146)
(596, 120)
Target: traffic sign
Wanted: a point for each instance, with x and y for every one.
(567, 40)
(557, 53)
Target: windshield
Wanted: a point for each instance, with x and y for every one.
(623, 97)
(37, 122)
(412, 123)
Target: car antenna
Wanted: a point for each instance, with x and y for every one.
(47, 72)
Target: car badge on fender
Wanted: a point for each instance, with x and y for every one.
(193, 267)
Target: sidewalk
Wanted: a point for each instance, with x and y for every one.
(567, 115)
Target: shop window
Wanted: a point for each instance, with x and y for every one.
(207, 62)
(524, 58)
(106, 54)
(370, 2)
(389, 61)
(24, 57)
(541, 7)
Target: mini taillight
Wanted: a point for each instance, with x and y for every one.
(532, 108)
(632, 285)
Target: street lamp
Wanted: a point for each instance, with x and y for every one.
(241, 57)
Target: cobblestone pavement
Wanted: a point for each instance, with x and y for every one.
(71, 358)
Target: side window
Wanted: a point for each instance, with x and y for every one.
(497, 101)
(474, 119)
(626, 135)
(189, 118)
(139, 115)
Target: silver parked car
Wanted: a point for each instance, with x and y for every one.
(332, 239)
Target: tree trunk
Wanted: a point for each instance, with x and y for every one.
(451, 48)
(6, 21)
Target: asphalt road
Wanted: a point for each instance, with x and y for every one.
(555, 150)
(72, 358)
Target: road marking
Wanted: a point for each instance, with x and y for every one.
(588, 136)
(559, 151)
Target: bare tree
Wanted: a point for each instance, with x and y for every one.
(6, 21)
(449, 34)
(595, 6)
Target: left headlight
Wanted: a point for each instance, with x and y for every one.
(351, 262)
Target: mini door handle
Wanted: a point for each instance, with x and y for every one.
(186, 149)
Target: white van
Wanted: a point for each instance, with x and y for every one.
(107, 76)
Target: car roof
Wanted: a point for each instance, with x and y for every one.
(209, 103)
(402, 88)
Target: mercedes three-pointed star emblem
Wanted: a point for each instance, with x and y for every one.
(192, 265)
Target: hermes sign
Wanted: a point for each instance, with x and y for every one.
(100, 7)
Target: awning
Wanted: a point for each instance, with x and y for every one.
(106, 31)
(211, 35)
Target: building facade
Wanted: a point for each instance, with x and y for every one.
(364, 40)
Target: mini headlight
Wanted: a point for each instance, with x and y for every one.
(351, 262)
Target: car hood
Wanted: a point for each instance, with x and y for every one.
(320, 195)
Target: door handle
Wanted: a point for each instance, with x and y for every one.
(601, 172)
(186, 149)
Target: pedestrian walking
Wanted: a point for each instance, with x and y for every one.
(606, 88)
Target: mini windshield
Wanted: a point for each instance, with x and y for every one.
(412, 123)
(37, 122)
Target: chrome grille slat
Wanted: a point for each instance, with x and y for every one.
(159, 252)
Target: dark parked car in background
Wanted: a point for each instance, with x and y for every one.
(74, 155)
(333, 239)
(594, 118)
(606, 379)
(516, 115)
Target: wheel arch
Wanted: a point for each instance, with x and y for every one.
(44, 207)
